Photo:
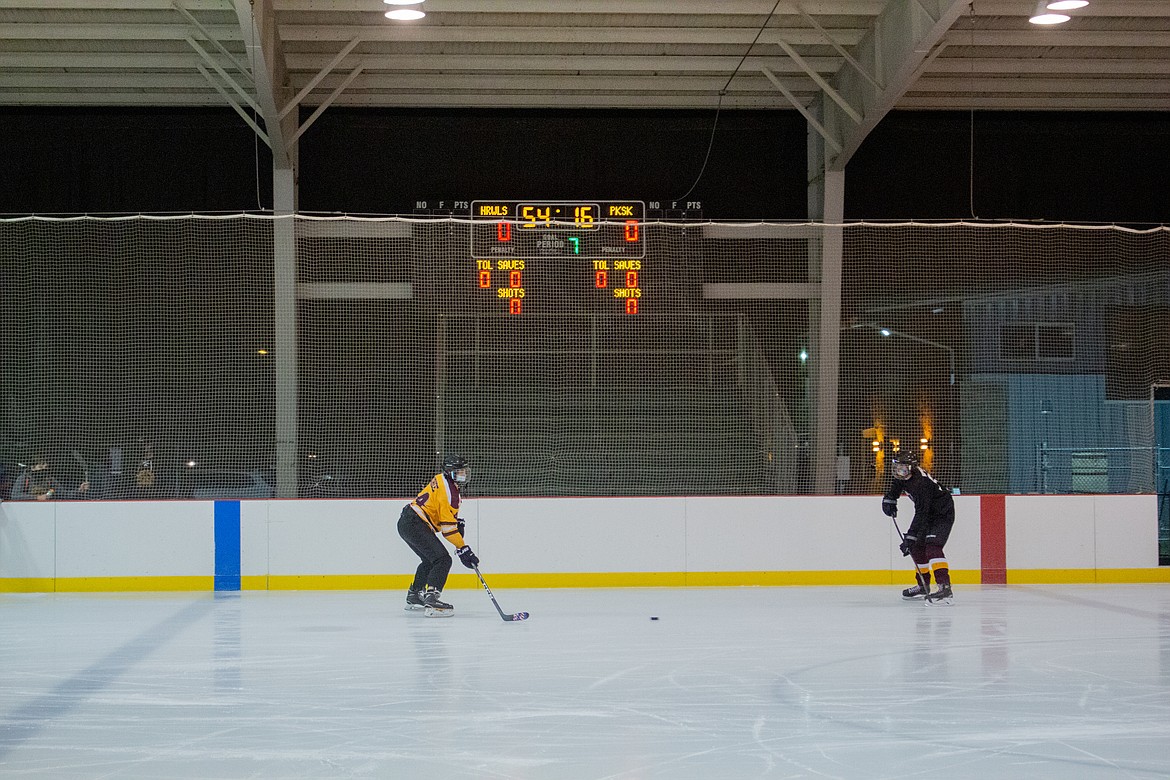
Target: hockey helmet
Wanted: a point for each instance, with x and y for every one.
(456, 468)
(903, 464)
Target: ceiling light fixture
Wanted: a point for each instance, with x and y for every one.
(1043, 16)
(404, 14)
(1066, 5)
(416, 2)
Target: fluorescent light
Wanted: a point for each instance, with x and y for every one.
(404, 14)
(1066, 5)
(402, 2)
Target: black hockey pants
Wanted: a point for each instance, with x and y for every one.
(436, 562)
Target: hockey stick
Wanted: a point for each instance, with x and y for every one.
(917, 574)
(504, 615)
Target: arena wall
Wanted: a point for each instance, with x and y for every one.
(568, 542)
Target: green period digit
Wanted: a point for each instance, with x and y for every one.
(576, 244)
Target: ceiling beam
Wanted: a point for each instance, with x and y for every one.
(265, 51)
(900, 41)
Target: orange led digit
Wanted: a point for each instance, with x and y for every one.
(485, 279)
(600, 280)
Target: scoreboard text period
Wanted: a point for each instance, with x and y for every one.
(596, 244)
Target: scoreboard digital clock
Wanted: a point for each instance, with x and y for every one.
(557, 229)
(550, 253)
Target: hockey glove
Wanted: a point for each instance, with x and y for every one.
(890, 507)
(467, 557)
(907, 543)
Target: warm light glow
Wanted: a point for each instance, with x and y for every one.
(1066, 5)
(924, 440)
(261, 352)
(404, 14)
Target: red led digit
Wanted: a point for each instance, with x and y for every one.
(514, 306)
(503, 231)
(631, 230)
(631, 305)
(514, 279)
(601, 280)
(485, 279)
(631, 278)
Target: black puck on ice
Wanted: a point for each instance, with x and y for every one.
(653, 617)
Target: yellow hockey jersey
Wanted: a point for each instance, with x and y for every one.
(438, 505)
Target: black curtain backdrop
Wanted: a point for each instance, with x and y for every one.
(1094, 167)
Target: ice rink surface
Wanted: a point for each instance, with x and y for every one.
(787, 682)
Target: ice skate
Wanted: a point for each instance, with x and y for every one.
(435, 607)
(414, 601)
(913, 594)
(941, 596)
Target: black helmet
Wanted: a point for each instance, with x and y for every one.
(455, 467)
(903, 464)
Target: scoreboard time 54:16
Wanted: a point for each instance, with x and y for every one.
(524, 247)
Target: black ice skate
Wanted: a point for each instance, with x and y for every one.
(913, 594)
(434, 607)
(941, 596)
(414, 601)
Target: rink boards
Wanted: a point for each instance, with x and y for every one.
(568, 542)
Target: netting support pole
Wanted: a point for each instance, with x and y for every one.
(285, 330)
(828, 328)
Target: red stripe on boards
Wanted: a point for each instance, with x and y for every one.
(993, 539)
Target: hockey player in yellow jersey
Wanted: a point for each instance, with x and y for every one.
(435, 510)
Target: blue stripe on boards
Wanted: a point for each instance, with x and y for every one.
(227, 545)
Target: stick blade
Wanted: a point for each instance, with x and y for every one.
(518, 616)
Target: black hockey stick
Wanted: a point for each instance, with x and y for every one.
(503, 614)
(917, 574)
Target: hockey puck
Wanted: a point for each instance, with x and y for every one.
(653, 617)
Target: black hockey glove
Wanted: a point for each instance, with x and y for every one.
(467, 557)
(890, 507)
(907, 543)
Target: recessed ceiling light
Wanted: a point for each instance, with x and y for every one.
(1044, 18)
(1066, 5)
(402, 2)
(404, 14)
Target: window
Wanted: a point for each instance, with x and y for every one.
(1037, 341)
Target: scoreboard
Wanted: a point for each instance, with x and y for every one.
(596, 246)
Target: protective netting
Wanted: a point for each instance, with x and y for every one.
(590, 356)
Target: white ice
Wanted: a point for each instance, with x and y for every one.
(788, 682)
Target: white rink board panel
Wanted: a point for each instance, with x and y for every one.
(28, 532)
(582, 534)
(343, 536)
(787, 533)
(254, 521)
(135, 539)
(1126, 531)
(1051, 532)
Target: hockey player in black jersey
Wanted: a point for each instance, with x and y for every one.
(934, 514)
